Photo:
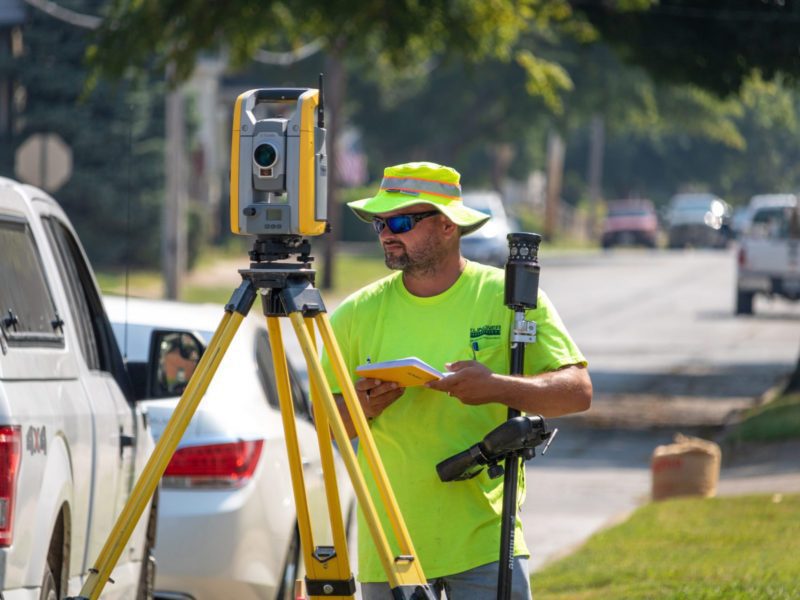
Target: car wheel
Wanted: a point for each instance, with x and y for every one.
(147, 574)
(291, 568)
(49, 589)
(744, 303)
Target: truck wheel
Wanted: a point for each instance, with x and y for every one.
(49, 589)
(744, 303)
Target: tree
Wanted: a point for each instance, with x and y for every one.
(715, 45)
(114, 192)
(399, 33)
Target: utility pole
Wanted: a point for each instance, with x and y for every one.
(173, 228)
(335, 85)
(594, 177)
(555, 171)
(12, 17)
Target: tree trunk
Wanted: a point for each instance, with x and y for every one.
(794, 381)
(335, 89)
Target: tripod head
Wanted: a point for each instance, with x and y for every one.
(519, 435)
(273, 248)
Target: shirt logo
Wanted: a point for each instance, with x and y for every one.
(484, 331)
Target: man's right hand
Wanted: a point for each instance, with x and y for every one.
(375, 395)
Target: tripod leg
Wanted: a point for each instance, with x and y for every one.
(146, 485)
(324, 566)
(404, 572)
(325, 442)
(364, 435)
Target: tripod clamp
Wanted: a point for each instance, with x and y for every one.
(524, 331)
(518, 436)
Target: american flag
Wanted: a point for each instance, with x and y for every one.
(351, 162)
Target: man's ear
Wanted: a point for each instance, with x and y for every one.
(449, 227)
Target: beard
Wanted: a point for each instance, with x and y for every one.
(417, 262)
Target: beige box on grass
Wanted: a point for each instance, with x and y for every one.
(687, 467)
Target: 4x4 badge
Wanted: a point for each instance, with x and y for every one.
(36, 440)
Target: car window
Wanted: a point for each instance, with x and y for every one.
(28, 313)
(96, 338)
(629, 212)
(774, 222)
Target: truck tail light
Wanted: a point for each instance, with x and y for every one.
(742, 257)
(10, 450)
(227, 465)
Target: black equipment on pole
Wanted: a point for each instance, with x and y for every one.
(516, 439)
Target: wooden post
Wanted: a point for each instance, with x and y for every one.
(555, 171)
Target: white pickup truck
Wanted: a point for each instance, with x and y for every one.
(72, 441)
(769, 255)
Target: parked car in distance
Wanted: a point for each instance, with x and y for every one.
(631, 222)
(699, 220)
(72, 438)
(227, 520)
(769, 255)
(489, 244)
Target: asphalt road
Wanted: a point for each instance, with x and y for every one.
(666, 355)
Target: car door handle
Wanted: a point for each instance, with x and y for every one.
(125, 441)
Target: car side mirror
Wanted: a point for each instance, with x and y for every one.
(172, 359)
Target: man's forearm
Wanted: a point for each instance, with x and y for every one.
(551, 394)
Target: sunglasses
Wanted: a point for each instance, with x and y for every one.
(401, 223)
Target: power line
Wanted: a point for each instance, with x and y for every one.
(289, 58)
(66, 15)
(91, 22)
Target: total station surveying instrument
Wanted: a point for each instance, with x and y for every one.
(278, 193)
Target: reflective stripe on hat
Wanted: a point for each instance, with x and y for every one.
(413, 185)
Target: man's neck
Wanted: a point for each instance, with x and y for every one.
(433, 283)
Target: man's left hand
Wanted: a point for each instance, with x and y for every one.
(469, 381)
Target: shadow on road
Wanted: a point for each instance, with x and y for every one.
(745, 380)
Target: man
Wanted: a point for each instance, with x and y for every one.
(449, 312)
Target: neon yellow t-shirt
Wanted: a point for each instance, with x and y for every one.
(454, 526)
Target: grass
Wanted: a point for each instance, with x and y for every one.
(352, 271)
(772, 422)
(720, 548)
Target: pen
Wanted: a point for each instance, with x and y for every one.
(474, 350)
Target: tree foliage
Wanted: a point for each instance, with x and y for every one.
(714, 44)
(115, 134)
(396, 34)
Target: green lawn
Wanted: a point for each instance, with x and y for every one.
(353, 270)
(771, 422)
(719, 548)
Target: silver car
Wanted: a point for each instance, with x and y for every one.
(226, 520)
(489, 244)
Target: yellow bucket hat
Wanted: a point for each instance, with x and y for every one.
(415, 183)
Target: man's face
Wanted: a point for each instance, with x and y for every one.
(418, 250)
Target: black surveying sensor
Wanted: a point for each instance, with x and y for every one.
(278, 194)
(502, 449)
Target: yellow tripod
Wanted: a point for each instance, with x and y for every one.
(287, 290)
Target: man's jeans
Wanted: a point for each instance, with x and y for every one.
(479, 583)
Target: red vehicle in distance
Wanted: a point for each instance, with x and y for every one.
(630, 223)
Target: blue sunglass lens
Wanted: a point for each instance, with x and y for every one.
(400, 223)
